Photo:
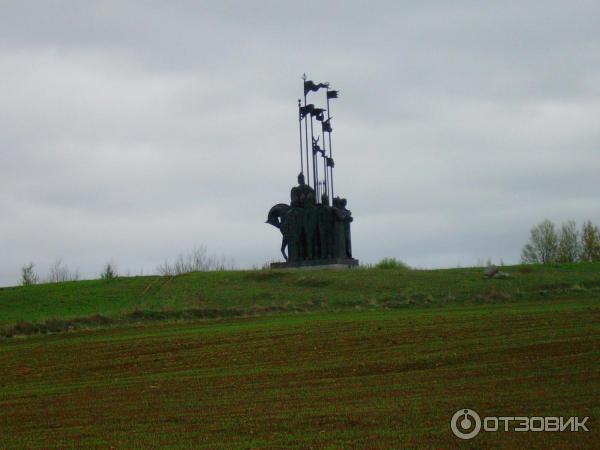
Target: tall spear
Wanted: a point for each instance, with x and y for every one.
(315, 172)
(324, 155)
(300, 128)
(306, 131)
(330, 94)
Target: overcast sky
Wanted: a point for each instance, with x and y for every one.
(134, 131)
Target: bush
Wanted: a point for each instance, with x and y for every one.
(59, 273)
(195, 261)
(28, 275)
(109, 272)
(391, 263)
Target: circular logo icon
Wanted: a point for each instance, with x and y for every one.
(465, 424)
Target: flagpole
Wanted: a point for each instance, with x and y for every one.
(330, 148)
(315, 174)
(306, 131)
(325, 162)
(300, 128)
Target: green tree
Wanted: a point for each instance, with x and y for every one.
(109, 272)
(568, 243)
(28, 275)
(543, 244)
(590, 242)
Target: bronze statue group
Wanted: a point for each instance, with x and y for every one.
(311, 231)
(314, 232)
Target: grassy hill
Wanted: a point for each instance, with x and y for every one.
(364, 358)
(54, 307)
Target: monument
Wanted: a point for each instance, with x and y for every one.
(314, 232)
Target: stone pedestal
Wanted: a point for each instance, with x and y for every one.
(316, 264)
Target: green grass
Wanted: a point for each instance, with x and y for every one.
(368, 379)
(391, 263)
(366, 358)
(237, 293)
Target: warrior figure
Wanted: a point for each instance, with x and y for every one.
(343, 217)
(325, 225)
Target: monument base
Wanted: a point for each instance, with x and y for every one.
(338, 263)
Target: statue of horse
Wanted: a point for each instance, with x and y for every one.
(277, 218)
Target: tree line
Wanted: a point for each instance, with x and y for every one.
(549, 244)
(58, 273)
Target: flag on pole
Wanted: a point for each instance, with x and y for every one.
(304, 110)
(317, 113)
(315, 146)
(332, 94)
(311, 86)
(327, 126)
